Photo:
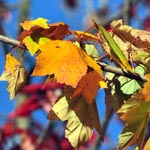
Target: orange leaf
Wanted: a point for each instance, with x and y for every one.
(146, 88)
(10, 63)
(88, 86)
(61, 58)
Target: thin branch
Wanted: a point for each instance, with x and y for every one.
(104, 66)
(119, 71)
(10, 41)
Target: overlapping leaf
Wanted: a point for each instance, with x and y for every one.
(14, 74)
(135, 115)
(88, 86)
(56, 31)
(81, 118)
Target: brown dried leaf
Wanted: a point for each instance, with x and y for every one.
(88, 86)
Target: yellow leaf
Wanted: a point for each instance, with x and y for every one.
(88, 86)
(33, 46)
(41, 22)
(10, 63)
(15, 81)
(81, 118)
(61, 58)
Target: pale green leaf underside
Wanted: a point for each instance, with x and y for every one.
(81, 118)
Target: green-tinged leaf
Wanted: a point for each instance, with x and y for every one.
(80, 116)
(91, 50)
(15, 81)
(130, 86)
(135, 117)
(115, 51)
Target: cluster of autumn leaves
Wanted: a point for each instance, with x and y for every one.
(73, 62)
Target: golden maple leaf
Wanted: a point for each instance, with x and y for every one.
(61, 58)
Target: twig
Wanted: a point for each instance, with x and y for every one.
(104, 66)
